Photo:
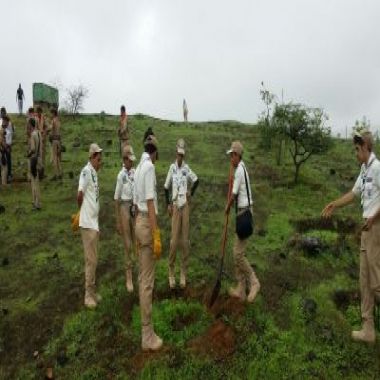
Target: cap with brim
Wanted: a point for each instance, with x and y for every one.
(180, 151)
(236, 147)
(94, 148)
(128, 151)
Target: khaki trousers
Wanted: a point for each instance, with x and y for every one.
(43, 151)
(180, 234)
(90, 245)
(36, 194)
(127, 230)
(56, 157)
(243, 270)
(147, 266)
(369, 269)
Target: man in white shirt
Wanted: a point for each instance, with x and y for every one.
(148, 239)
(178, 178)
(88, 201)
(244, 272)
(124, 209)
(367, 188)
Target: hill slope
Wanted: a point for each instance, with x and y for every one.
(299, 327)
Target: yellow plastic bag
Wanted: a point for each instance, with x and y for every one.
(157, 248)
(75, 221)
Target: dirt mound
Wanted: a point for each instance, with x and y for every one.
(219, 341)
(231, 307)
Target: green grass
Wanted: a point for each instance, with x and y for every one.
(41, 290)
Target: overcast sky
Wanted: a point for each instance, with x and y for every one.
(149, 55)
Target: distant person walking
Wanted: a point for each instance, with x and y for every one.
(35, 161)
(242, 196)
(123, 130)
(185, 110)
(367, 189)
(20, 98)
(148, 239)
(178, 178)
(124, 210)
(88, 201)
(42, 127)
(55, 139)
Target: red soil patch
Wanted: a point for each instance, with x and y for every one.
(219, 341)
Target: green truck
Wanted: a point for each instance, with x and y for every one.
(45, 96)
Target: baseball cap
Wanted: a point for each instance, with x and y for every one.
(181, 146)
(128, 151)
(94, 148)
(236, 147)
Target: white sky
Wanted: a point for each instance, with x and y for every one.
(149, 55)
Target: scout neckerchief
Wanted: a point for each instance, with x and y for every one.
(363, 174)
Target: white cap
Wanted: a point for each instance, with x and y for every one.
(181, 146)
(94, 148)
(128, 151)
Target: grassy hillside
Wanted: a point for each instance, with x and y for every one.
(298, 328)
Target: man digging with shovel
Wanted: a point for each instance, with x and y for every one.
(241, 194)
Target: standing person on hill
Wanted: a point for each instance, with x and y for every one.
(8, 128)
(185, 110)
(28, 131)
(20, 98)
(88, 201)
(42, 127)
(124, 209)
(3, 154)
(148, 238)
(178, 178)
(35, 162)
(55, 139)
(367, 188)
(242, 196)
(123, 130)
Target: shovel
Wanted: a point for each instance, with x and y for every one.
(218, 283)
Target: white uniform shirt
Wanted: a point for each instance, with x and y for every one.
(88, 184)
(9, 134)
(239, 187)
(367, 186)
(125, 185)
(179, 178)
(145, 184)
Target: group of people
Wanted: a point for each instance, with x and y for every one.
(136, 210)
(38, 131)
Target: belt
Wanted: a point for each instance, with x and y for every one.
(125, 201)
(243, 208)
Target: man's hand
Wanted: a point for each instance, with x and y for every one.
(80, 198)
(170, 209)
(157, 247)
(368, 223)
(328, 210)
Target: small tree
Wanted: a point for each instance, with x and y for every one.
(305, 129)
(75, 97)
(265, 118)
